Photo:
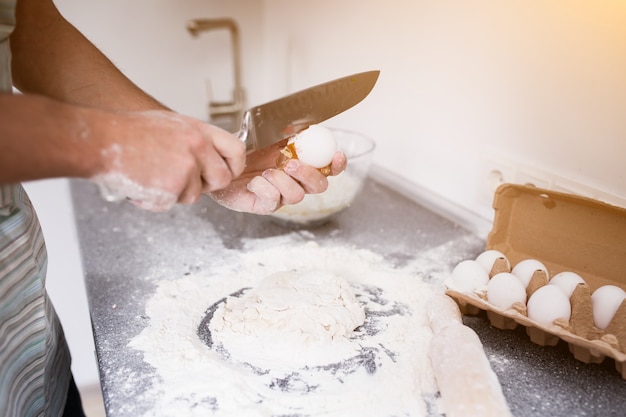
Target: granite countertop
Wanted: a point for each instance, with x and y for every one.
(120, 242)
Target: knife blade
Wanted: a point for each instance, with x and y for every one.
(279, 119)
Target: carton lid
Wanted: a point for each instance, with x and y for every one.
(566, 232)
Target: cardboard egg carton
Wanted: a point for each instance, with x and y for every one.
(566, 233)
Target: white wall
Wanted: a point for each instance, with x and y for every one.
(540, 83)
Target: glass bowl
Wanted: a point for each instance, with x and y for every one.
(317, 209)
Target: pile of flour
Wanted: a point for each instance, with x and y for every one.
(371, 365)
(294, 319)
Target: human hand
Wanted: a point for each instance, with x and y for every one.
(263, 188)
(159, 158)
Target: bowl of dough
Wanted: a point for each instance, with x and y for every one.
(317, 209)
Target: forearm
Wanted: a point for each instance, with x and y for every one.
(43, 138)
(156, 158)
(76, 71)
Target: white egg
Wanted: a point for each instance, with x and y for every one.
(567, 282)
(504, 290)
(489, 257)
(605, 301)
(525, 269)
(547, 304)
(469, 276)
(315, 146)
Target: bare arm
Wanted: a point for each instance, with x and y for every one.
(75, 70)
(42, 138)
(81, 117)
(154, 150)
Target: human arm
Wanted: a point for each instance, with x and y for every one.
(51, 57)
(95, 123)
(81, 117)
(152, 151)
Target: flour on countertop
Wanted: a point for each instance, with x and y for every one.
(311, 312)
(381, 369)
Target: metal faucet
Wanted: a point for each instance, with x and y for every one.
(231, 109)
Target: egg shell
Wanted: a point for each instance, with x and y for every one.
(605, 302)
(469, 276)
(488, 258)
(315, 146)
(567, 282)
(504, 290)
(525, 269)
(547, 304)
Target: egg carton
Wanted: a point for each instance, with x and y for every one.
(566, 233)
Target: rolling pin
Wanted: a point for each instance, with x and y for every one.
(468, 385)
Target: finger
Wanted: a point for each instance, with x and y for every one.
(231, 149)
(338, 164)
(267, 196)
(149, 206)
(215, 172)
(154, 202)
(191, 192)
(290, 190)
(310, 179)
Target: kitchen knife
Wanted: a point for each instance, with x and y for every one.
(272, 122)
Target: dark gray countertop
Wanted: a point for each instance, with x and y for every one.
(119, 242)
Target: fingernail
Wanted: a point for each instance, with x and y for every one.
(266, 174)
(291, 165)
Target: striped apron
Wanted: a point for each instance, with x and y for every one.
(34, 359)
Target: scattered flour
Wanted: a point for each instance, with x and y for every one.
(205, 367)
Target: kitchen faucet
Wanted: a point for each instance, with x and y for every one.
(232, 110)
